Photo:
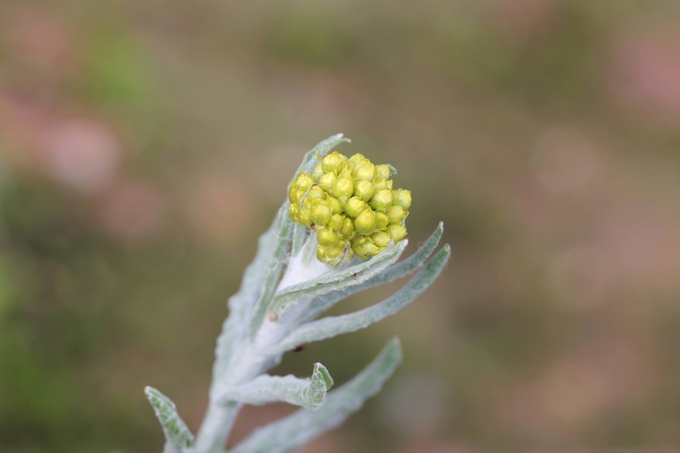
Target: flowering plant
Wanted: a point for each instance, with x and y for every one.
(340, 232)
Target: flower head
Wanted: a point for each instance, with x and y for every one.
(352, 206)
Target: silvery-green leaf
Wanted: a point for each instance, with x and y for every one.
(273, 267)
(321, 149)
(336, 325)
(177, 435)
(322, 303)
(240, 304)
(309, 393)
(304, 425)
(338, 279)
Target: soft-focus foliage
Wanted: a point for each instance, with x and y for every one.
(145, 145)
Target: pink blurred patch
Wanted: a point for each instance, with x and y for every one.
(81, 154)
(644, 76)
(130, 210)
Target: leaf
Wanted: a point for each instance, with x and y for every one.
(177, 435)
(272, 268)
(338, 279)
(322, 303)
(309, 393)
(336, 325)
(240, 303)
(299, 428)
(321, 149)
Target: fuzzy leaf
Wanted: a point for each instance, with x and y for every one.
(240, 303)
(321, 149)
(273, 267)
(336, 325)
(177, 435)
(304, 425)
(322, 303)
(309, 393)
(338, 279)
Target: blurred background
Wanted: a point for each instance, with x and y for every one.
(145, 144)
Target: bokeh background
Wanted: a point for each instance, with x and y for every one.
(145, 144)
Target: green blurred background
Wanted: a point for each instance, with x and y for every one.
(145, 144)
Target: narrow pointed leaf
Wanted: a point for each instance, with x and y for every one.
(338, 279)
(309, 393)
(336, 325)
(304, 425)
(323, 302)
(177, 435)
(273, 267)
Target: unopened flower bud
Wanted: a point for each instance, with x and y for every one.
(382, 171)
(347, 229)
(314, 193)
(402, 198)
(321, 253)
(364, 190)
(381, 239)
(304, 181)
(336, 205)
(355, 206)
(396, 214)
(336, 222)
(343, 187)
(326, 182)
(382, 220)
(363, 247)
(364, 171)
(304, 218)
(334, 162)
(318, 172)
(366, 222)
(326, 237)
(398, 232)
(382, 200)
(355, 159)
(321, 213)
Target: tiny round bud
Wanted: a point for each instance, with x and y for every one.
(336, 205)
(355, 159)
(402, 198)
(355, 206)
(380, 184)
(396, 214)
(381, 239)
(343, 187)
(304, 181)
(382, 220)
(382, 200)
(321, 213)
(326, 182)
(398, 232)
(293, 211)
(315, 192)
(318, 172)
(382, 171)
(364, 171)
(326, 237)
(304, 217)
(332, 254)
(336, 222)
(334, 162)
(390, 184)
(366, 222)
(321, 254)
(363, 247)
(364, 190)
(347, 229)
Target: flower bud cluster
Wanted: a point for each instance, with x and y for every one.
(352, 206)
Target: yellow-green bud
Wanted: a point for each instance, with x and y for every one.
(402, 198)
(334, 162)
(343, 187)
(380, 184)
(364, 190)
(318, 172)
(326, 237)
(382, 220)
(304, 218)
(398, 232)
(321, 213)
(381, 239)
(382, 171)
(363, 247)
(336, 222)
(321, 254)
(347, 229)
(355, 159)
(326, 182)
(366, 222)
(336, 205)
(314, 193)
(304, 181)
(382, 200)
(364, 170)
(293, 211)
(355, 206)
(396, 214)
